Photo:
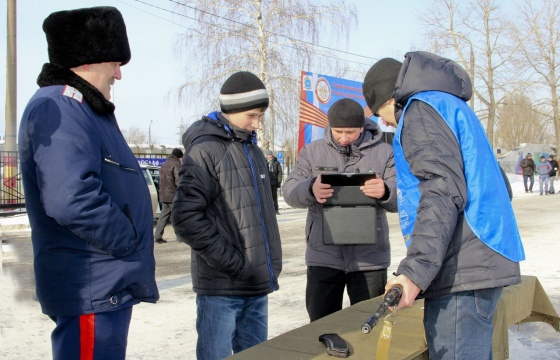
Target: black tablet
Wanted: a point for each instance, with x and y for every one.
(346, 188)
(346, 179)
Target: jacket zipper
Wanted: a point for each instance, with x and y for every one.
(107, 160)
(256, 185)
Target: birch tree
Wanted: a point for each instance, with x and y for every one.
(539, 26)
(477, 34)
(275, 39)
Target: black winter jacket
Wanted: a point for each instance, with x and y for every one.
(554, 165)
(223, 210)
(528, 166)
(275, 172)
(445, 255)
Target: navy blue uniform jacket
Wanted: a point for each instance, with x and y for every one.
(88, 207)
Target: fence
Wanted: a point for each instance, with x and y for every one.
(11, 189)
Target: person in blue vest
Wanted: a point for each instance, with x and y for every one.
(463, 244)
(88, 203)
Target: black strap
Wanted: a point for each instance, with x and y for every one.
(336, 346)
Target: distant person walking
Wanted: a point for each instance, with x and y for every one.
(552, 173)
(168, 181)
(528, 166)
(275, 176)
(543, 169)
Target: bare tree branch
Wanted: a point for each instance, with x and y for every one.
(272, 38)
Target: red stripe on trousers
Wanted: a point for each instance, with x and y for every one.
(87, 336)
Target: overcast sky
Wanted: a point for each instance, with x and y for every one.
(145, 94)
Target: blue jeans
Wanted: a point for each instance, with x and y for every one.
(229, 323)
(543, 183)
(531, 179)
(459, 326)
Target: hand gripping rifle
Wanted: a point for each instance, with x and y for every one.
(391, 299)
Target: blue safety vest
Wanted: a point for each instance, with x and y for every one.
(488, 211)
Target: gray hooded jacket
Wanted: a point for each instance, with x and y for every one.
(445, 255)
(372, 155)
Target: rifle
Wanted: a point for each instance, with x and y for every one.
(391, 299)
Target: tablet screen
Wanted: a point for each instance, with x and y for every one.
(346, 179)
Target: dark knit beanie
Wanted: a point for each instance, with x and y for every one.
(243, 91)
(379, 83)
(346, 113)
(178, 153)
(86, 36)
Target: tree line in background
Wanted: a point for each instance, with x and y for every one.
(507, 47)
(509, 50)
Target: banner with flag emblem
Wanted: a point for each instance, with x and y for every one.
(317, 94)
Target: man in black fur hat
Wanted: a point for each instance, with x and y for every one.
(87, 201)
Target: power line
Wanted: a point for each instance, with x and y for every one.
(285, 36)
(221, 27)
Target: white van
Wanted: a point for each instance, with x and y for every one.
(149, 171)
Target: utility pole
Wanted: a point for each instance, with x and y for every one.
(11, 80)
(150, 135)
(9, 185)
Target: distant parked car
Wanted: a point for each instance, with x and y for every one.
(151, 173)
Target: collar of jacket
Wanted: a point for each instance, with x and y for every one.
(236, 133)
(364, 140)
(53, 74)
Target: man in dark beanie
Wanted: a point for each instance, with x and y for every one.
(275, 176)
(351, 144)
(86, 197)
(223, 209)
(552, 173)
(168, 181)
(463, 244)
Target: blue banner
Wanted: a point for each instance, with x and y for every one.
(318, 92)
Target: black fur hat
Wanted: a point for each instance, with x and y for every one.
(86, 36)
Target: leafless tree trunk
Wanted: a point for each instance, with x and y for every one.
(272, 38)
(540, 27)
(477, 34)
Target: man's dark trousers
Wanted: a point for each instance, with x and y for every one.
(274, 189)
(164, 219)
(325, 288)
(101, 336)
(531, 179)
